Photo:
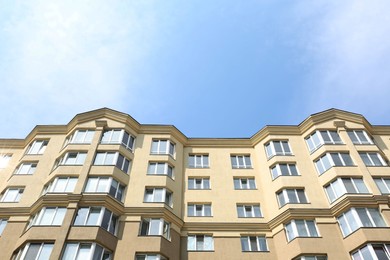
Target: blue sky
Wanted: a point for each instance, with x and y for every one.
(211, 68)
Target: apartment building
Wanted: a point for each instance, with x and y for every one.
(104, 187)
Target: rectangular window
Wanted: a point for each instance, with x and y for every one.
(372, 251)
(253, 244)
(163, 147)
(198, 161)
(37, 147)
(248, 211)
(97, 216)
(80, 137)
(360, 137)
(112, 158)
(160, 168)
(61, 185)
(312, 257)
(150, 257)
(244, 183)
(199, 210)
(3, 223)
(293, 196)
(356, 218)
(72, 158)
(241, 161)
(329, 160)
(277, 148)
(319, 138)
(199, 183)
(48, 216)
(36, 251)
(118, 136)
(383, 185)
(158, 195)
(155, 227)
(26, 168)
(372, 159)
(105, 185)
(12, 195)
(284, 169)
(85, 251)
(200, 243)
(301, 228)
(341, 186)
(4, 159)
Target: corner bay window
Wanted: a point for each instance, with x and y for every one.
(372, 252)
(329, 160)
(198, 161)
(253, 244)
(284, 169)
(359, 137)
(118, 136)
(319, 138)
(105, 185)
(48, 216)
(155, 227)
(61, 185)
(158, 195)
(12, 195)
(27, 168)
(200, 243)
(291, 196)
(97, 216)
(71, 158)
(301, 228)
(277, 148)
(35, 251)
(80, 137)
(244, 183)
(112, 158)
(199, 210)
(341, 186)
(85, 251)
(163, 147)
(37, 147)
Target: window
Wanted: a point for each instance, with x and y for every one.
(61, 185)
(253, 244)
(149, 257)
(383, 185)
(26, 168)
(200, 243)
(198, 183)
(312, 257)
(118, 136)
(97, 216)
(244, 184)
(155, 227)
(35, 251)
(241, 161)
(249, 211)
(48, 216)
(199, 210)
(291, 196)
(284, 169)
(160, 168)
(360, 137)
(85, 251)
(301, 228)
(372, 251)
(12, 195)
(3, 223)
(80, 137)
(72, 158)
(341, 186)
(356, 218)
(372, 159)
(105, 185)
(319, 138)
(37, 147)
(158, 195)
(198, 161)
(163, 147)
(112, 158)
(329, 160)
(277, 148)
(4, 159)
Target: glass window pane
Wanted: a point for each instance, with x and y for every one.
(154, 228)
(336, 159)
(83, 253)
(278, 147)
(91, 184)
(348, 185)
(362, 137)
(97, 255)
(48, 216)
(286, 147)
(302, 231)
(289, 232)
(360, 186)
(59, 217)
(81, 217)
(45, 252)
(191, 161)
(347, 159)
(351, 135)
(375, 159)
(376, 217)
(158, 195)
(292, 197)
(32, 251)
(163, 147)
(326, 137)
(326, 163)
(244, 244)
(312, 228)
(293, 169)
(335, 136)
(94, 214)
(70, 251)
(106, 136)
(284, 169)
(99, 159)
(106, 219)
(110, 159)
(330, 193)
(103, 185)
(301, 196)
(116, 136)
(71, 185)
(60, 185)
(191, 240)
(381, 185)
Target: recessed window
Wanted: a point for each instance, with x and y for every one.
(301, 228)
(293, 196)
(38, 251)
(37, 147)
(158, 195)
(61, 185)
(383, 185)
(244, 183)
(112, 158)
(163, 147)
(160, 168)
(198, 161)
(360, 137)
(155, 227)
(48, 216)
(329, 160)
(372, 251)
(277, 148)
(26, 168)
(356, 218)
(149, 257)
(4, 160)
(97, 216)
(3, 223)
(319, 138)
(118, 136)
(105, 185)
(12, 195)
(200, 243)
(253, 244)
(241, 161)
(80, 137)
(372, 159)
(341, 186)
(72, 158)
(248, 211)
(198, 183)
(284, 169)
(199, 210)
(85, 251)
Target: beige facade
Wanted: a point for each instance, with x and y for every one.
(106, 187)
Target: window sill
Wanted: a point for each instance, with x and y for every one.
(211, 250)
(194, 167)
(306, 203)
(302, 237)
(158, 236)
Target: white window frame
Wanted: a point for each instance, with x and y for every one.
(383, 184)
(198, 161)
(199, 183)
(21, 255)
(271, 151)
(91, 254)
(369, 248)
(328, 157)
(117, 157)
(55, 219)
(170, 148)
(295, 230)
(287, 200)
(205, 210)
(92, 187)
(260, 242)
(277, 170)
(129, 144)
(155, 167)
(316, 139)
(239, 185)
(353, 134)
(37, 147)
(26, 168)
(113, 219)
(338, 188)
(67, 159)
(369, 156)
(85, 134)
(165, 194)
(198, 243)
(4, 160)
(3, 224)
(253, 212)
(15, 198)
(164, 227)
(312, 257)
(241, 161)
(69, 186)
(140, 256)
